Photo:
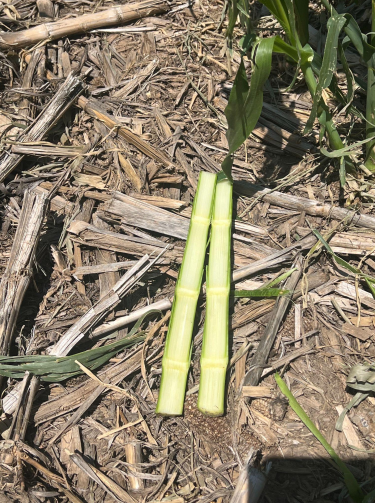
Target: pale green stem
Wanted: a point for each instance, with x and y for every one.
(176, 359)
(214, 359)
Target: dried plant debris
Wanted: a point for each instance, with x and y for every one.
(108, 113)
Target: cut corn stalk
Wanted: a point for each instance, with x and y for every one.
(214, 359)
(176, 359)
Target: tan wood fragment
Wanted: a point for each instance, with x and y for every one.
(240, 367)
(161, 202)
(257, 392)
(142, 214)
(106, 303)
(78, 263)
(70, 441)
(49, 116)
(90, 235)
(119, 14)
(130, 171)
(351, 434)
(361, 333)
(122, 321)
(99, 268)
(60, 405)
(110, 487)
(17, 275)
(133, 453)
(93, 108)
(314, 208)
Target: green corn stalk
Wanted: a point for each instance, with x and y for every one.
(214, 359)
(176, 359)
(367, 52)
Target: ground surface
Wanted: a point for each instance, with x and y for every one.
(168, 80)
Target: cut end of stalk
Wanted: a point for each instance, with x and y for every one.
(172, 389)
(212, 390)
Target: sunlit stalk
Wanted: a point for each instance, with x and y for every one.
(176, 359)
(214, 359)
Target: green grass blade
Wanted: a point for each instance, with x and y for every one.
(260, 292)
(279, 278)
(350, 82)
(52, 368)
(335, 25)
(370, 284)
(352, 485)
(370, 101)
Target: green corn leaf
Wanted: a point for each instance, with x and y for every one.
(370, 497)
(279, 10)
(243, 11)
(342, 172)
(352, 30)
(329, 63)
(245, 102)
(349, 78)
(234, 111)
(358, 39)
(259, 292)
(282, 47)
(51, 368)
(316, 65)
(232, 17)
(346, 151)
(301, 9)
(289, 11)
(352, 485)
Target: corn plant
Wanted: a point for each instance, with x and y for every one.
(246, 99)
